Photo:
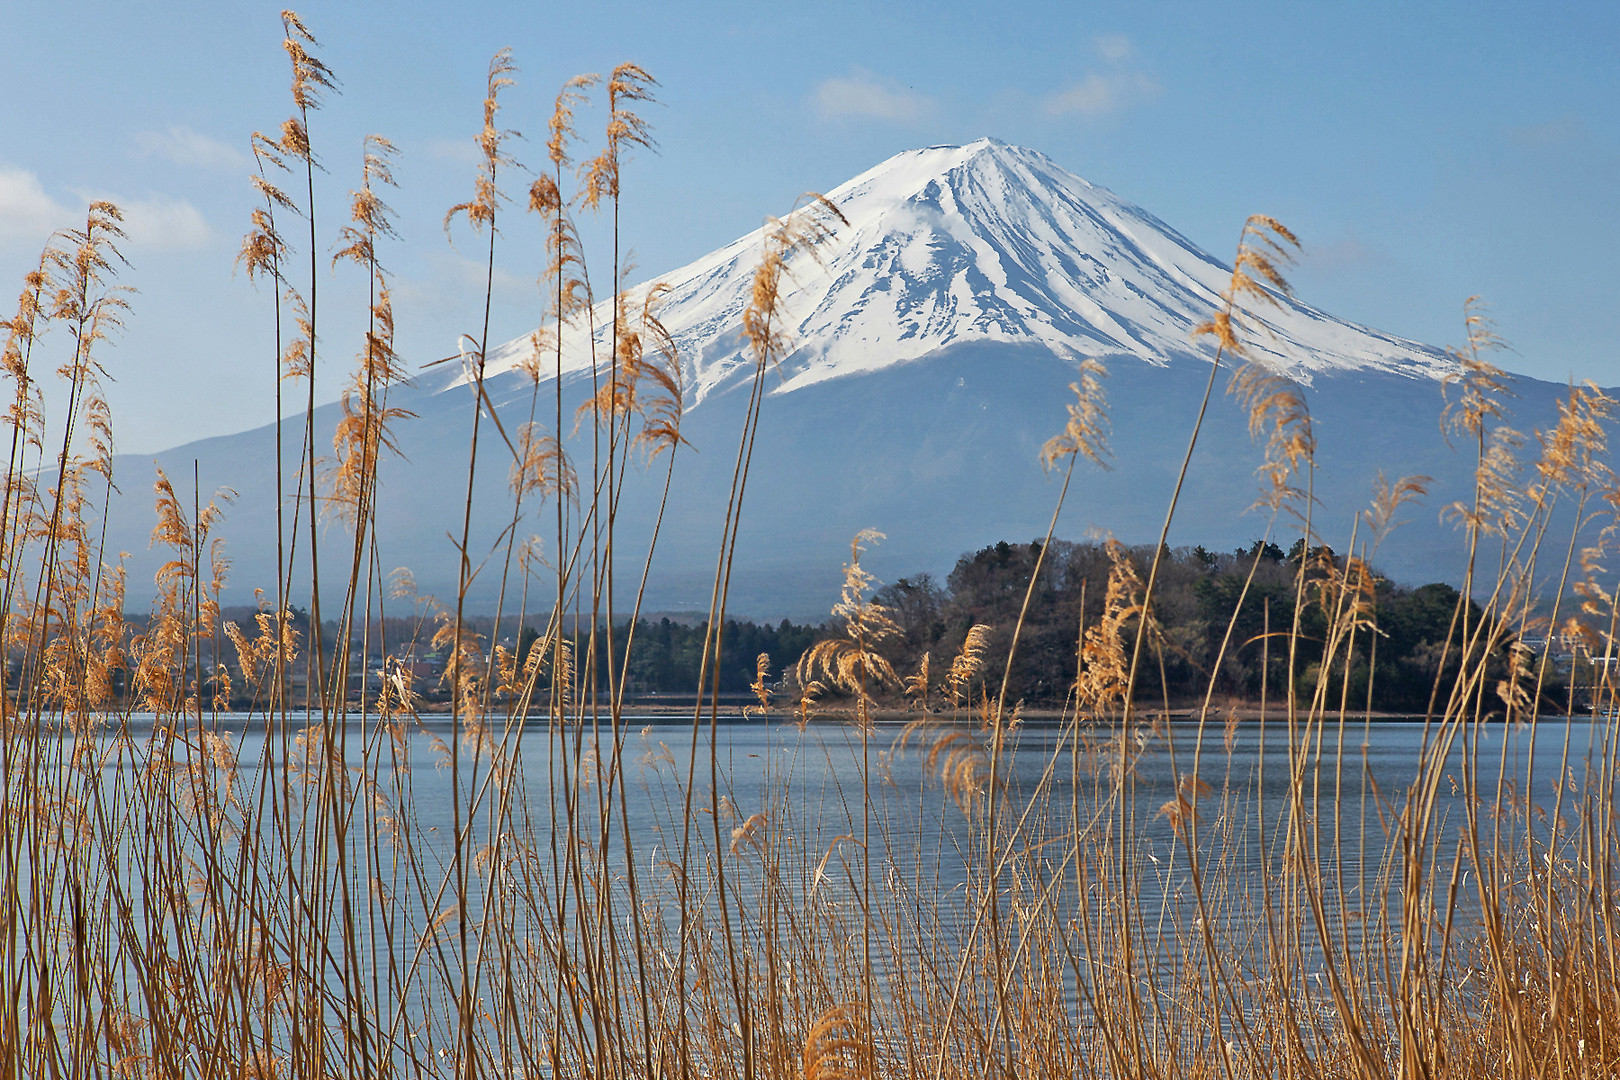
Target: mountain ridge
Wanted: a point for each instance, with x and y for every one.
(980, 242)
(932, 358)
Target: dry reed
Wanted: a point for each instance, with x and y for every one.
(1114, 895)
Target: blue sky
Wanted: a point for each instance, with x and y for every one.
(1424, 153)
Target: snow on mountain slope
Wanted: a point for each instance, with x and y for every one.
(984, 242)
(933, 353)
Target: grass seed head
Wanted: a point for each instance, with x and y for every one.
(1483, 387)
(968, 664)
(1264, 247)
(1573, 452)
(1388, 499)
(1104, 661)
(310, 76)
(542, 465)
(839, 1045)
(561, 125)
(1277, 412)
(810, 224)
(479, 211)
(628, 85)
(1088, 427)
(917, 683)
(762, 671)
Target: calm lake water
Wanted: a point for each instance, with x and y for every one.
(1350, 782)
(809, 782)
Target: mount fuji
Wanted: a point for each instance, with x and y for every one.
(931, 352)
(987, 244)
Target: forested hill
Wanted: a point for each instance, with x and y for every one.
(1195, 598)
(1197, 593)
(1405, 630)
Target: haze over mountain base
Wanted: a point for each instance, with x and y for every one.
(941, 455)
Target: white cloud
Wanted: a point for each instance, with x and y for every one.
(1114, 47)
(28, 215)
(165, 224)
(865, 96)
(1098, 95)
(157, 222)
(192, 149)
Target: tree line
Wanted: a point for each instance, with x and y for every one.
(1393, 667)
(1393, 664)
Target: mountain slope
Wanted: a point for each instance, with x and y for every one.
(933, 353)
(983, 243)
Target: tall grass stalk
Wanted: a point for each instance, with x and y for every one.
(204, 877)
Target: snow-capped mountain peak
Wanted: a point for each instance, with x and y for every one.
(984, 242)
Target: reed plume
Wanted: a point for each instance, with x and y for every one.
(1087, 431)
(644, 384)
(963, 766)
(1388, 499)
(185, 897)
(1478, 413)
(1277, 413)
(628, 85)
(479, 211)
(916, 685)
(310, 77)
(364, 431)
(838, 1047)
(542, 465)
(761, 690)
(967, 665)
(1482, 387)
(1573, 453)
(1104, 663)
(809, 225)
(851, 663)
(1264, 247)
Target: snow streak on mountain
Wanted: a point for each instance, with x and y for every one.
(983, 243)
(933, 350)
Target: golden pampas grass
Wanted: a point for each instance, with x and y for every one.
(851, 662)
(479, 211)
(967, 665)
(310, 76)
(1104, 661)
(809, 225)
(917, 684)
(542, 465)
(838, 1046)
(1264, 247)
(1086, 433)
(629, 84)
(1482, 386)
